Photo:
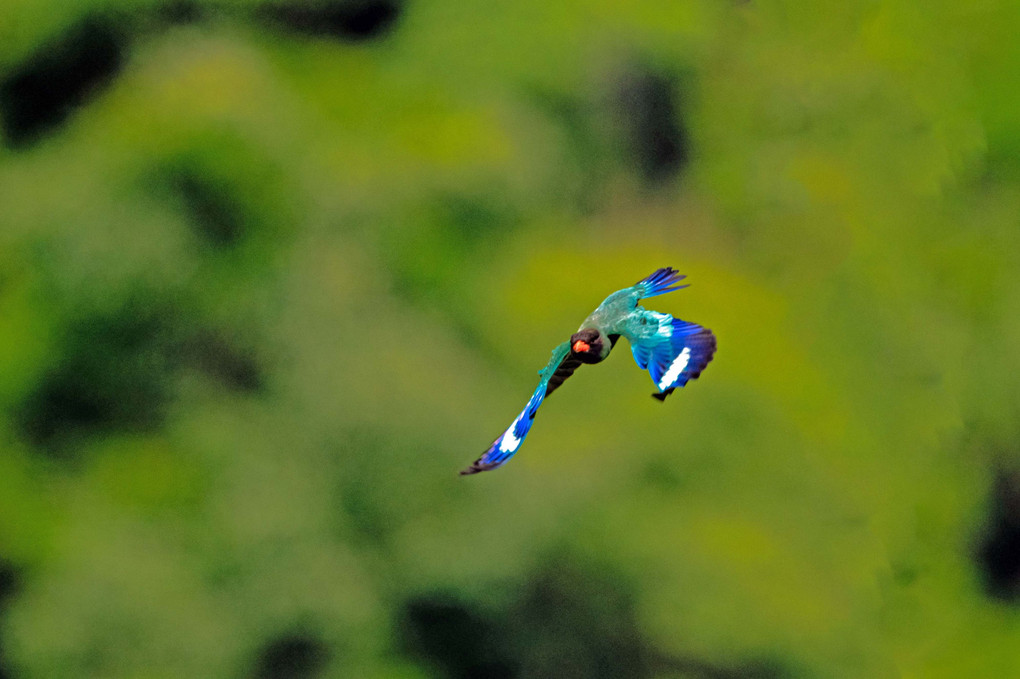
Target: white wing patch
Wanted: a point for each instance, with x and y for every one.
(675, 368)
(510, 442)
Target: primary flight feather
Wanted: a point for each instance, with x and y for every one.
(671, 350)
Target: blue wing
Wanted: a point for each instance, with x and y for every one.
(561, 366)
(673, 351)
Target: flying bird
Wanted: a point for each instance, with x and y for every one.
(671, 350)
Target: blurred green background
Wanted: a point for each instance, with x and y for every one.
(271, 273)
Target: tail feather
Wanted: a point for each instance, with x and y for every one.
(661, 282)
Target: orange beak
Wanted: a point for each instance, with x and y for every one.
(580, 347)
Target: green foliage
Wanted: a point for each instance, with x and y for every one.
(277, 271)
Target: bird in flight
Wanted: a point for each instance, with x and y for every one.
(671, 350)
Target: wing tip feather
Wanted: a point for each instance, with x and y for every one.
(479, 466)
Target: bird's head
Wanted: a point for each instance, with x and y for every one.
(589, 345)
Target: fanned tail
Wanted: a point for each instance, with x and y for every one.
(661, 282)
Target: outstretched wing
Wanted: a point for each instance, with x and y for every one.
(673, 351)
(561, 366)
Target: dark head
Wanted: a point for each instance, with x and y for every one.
(588, 345)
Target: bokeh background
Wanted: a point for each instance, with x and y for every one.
(272, 272)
